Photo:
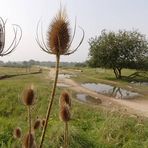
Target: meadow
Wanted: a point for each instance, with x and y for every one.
(91, 126)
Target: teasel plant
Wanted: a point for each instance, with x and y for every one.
(16, 39)
(29, 99)
(17, 135)
(64, 114)
(59, 41)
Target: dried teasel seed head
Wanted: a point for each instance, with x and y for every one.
(58, 36)
(29, 141)
(37, 124)
(29, 96)
(65, 99)
(64, 113)
(17, 133)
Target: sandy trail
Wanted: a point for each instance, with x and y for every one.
(135, 106)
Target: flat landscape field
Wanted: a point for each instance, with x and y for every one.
(92, 125)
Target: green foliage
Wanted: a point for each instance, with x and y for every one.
(124, 49)
(6, 131)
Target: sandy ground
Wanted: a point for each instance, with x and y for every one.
(135, 106)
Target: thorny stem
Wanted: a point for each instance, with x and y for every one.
(29, 125)
(51, 101)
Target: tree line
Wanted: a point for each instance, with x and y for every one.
(27, 64)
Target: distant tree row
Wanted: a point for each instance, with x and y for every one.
(27, 64)
(118, 50)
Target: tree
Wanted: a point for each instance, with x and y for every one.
(117, 50)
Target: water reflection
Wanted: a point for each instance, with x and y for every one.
(88, 99)
(113, 91)
(140, 83)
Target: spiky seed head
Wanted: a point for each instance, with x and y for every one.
(37, 124)
(17, 133)
(28, 141)
(65, 99)
(65, 113)
(29, 96)
(58, 35)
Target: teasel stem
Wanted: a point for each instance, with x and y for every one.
(51, 101)
(29, 124)
(66, 135)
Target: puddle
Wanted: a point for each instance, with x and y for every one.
(62, 85)
(88, 99)
(116, 92)
(61, 76)
(140, 83)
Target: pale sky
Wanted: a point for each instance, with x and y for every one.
(92, 15)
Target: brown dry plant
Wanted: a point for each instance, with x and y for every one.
(29, 141)
(64, 114)
(59, 40)
(37, 124)
(28, 96)
(65, 99)
(17, 133)
(65, 117)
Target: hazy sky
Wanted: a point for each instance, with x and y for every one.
(92, 16)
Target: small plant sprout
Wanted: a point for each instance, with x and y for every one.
(16, 39)
(59, 41)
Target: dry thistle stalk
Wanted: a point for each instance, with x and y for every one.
(64, 113)
(65, 104)
(29, 96)
(28, 99)
(65, 117)
(65, 99)
(15, 40)
(59, 41)
(58, 35)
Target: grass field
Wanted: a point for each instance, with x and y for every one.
(90, 127)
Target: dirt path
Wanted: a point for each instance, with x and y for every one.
(136, 106)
